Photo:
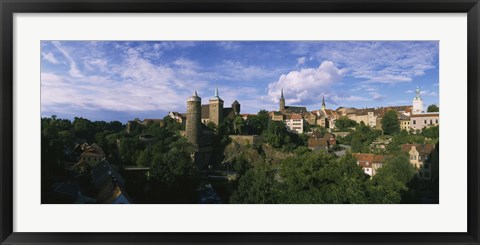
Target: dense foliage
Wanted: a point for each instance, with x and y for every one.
(318, 177)
(433, 108)
(173, 176)
(344, 123)
(390, 122)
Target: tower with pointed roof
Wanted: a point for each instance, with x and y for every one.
(194, 118)
(236, 108)
(216, 109)
(323, 103)
(282, 102)
(417, 102)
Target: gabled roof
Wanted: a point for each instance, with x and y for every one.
(102, 171)
(423, 149)
(367, 157)
(294, 116)
(296, 109)
(402, 116)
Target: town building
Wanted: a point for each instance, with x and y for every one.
(290, 109)
(404, 121)
(294, 122)
(370, 163)
(317, 141)
(276, 116)
(215, 112)
(179, 117)
(424, 120)
(420, 158)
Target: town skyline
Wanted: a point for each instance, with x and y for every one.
(119, 81)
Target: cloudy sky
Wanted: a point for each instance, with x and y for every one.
(116, 80)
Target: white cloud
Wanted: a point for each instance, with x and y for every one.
(74, 72)
(380, 62)
(50, 57)
(229, 45)
(306, 85)
(132, 84)
(301, 61)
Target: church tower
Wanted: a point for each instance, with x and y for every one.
(216, 109)
(236, 108)
(417, 102)
(323, 103)
(194, 118)
(282, 102)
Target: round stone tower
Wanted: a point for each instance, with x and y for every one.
(194, 118)
(236, 108)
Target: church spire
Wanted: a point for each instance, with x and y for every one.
(195, 94)
(323, 103)
(281, 97)
(417, 92)
(216, 91)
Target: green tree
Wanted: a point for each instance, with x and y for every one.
(431, 132)
(433, 108)
(391, 180)
(390, 122)
(276, 134)
(344, 123)
(239, 125)
(318, 177)
(257, 186)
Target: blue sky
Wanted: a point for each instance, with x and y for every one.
(117, 80)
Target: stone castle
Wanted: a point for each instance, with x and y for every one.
(198, 116)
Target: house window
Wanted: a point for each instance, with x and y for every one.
(436, 121)
(425, 121)
(414, 122)
(431, 121)
(419, 157)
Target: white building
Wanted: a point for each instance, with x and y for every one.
(294, 122)
(417, 103)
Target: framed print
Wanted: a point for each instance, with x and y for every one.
(251, 122)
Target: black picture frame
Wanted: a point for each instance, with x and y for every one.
(9, 7)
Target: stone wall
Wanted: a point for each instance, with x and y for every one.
(245, 139)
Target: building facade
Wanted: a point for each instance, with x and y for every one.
(424, 120)
(294, 123)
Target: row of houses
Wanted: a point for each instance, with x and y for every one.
(92, 179)
(420, 156)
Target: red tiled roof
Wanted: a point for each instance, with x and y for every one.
(296, 116)
(371, 158)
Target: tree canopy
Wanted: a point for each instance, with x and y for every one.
(390, 122)
(433, 108)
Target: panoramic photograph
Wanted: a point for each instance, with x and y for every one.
(239, 122)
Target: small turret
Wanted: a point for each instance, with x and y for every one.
(236, 108)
